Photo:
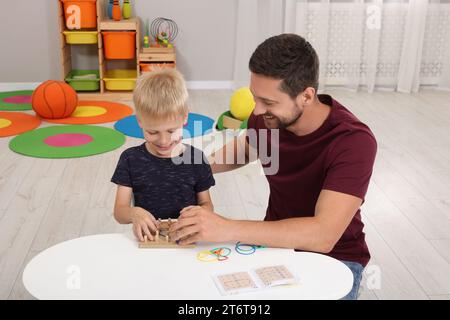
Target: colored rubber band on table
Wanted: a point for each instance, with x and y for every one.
(246, 249)
(216, 254)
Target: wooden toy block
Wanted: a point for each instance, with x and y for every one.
(162, 239)
(231, 123)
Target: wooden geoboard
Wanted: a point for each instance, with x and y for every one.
(162, 238)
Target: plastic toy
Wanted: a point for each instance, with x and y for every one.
(241, 107)
(110, 9)
(146, 42)
(147, 35)
(126, 9)
(116, 11)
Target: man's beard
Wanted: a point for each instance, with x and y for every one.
(285, 123)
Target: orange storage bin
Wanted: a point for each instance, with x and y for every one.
(80, 12)
(149, 67)
(119, 44)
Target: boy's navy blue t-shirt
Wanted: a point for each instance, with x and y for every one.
(164, 186)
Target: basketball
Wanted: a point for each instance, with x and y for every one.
(242, 104)
(54, 100)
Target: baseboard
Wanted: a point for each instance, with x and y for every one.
(16, 86)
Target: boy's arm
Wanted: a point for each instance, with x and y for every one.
(122, 209)
(143, 222)
(235, 154)
(204, 200)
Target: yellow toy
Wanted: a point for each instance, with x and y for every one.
(242, 104)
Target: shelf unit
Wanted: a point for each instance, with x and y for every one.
(158, 55)
(103, 24)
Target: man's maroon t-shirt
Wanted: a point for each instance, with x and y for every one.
(338, 156)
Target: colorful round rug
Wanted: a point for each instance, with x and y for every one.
(67, 142)
(198, 125)
(95, 112)
(14, 123)
(16, 100)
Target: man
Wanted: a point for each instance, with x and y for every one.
(325, 154)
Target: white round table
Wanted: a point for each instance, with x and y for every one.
(111, 266)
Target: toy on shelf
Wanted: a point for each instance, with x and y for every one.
(110, 9)
(54, 100)
(126, 9)
(162, 238)
(161, 54)
(147, 35)
(116, 11)
(146, 42)
(241, 107)
(164, 31)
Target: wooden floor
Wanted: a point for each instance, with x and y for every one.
(407, 210)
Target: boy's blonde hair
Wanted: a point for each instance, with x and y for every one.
(161, 94)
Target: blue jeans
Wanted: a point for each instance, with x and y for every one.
(357, 270)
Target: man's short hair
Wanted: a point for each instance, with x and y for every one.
(290, 58)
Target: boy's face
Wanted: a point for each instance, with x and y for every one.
(162, 135)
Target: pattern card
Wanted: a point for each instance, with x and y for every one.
(257, 279)
(273, 276)
(233, 283)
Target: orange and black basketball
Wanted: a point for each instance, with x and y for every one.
(54, 100)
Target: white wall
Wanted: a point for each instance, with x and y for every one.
(29, 39)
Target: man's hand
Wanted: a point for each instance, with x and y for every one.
(144, 224)
(199, 224)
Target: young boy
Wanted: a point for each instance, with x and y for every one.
(164, 175)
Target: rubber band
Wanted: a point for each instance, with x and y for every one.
(246, 249)
(216, 254)
(206, 256)
(221, 255)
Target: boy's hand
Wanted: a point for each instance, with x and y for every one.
(144, 224)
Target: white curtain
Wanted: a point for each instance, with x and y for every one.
(394, 44)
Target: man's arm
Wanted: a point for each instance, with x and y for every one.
(204, 200)
(320, 233)
(333, 214)
(233, 155)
